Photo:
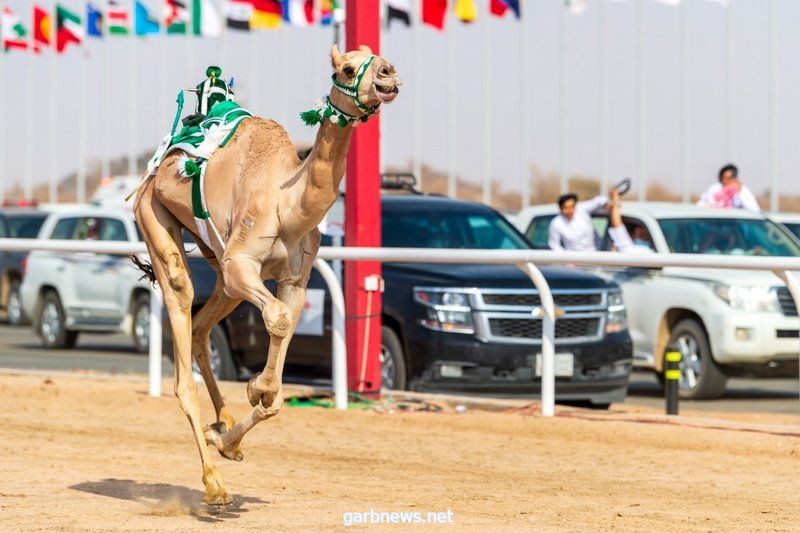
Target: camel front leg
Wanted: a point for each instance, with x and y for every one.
(266, 388)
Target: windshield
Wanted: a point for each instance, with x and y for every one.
(794, 228)
(25, 226)
(728, 236)
(431, 228)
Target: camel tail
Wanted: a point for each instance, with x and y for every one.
(146, 268)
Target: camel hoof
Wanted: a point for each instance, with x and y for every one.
(215, 492)
(213, 432)
(253, 394)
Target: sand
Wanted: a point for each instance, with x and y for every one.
(83, 454)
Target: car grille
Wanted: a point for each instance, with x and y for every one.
(522, 328)
(787, 302)
(533, 300)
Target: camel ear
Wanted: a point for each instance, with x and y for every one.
(337, 60)
(365, 48)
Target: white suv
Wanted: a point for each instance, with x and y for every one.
(65, 293)
(725, 322)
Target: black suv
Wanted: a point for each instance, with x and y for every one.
(457, 327)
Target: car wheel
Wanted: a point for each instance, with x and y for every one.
(52, 327)
(141, 322)
(393, 364)
(701, 378)
(16, 317)
(223, 366)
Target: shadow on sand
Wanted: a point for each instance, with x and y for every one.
(161, 499)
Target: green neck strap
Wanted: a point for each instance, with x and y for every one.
(352, 90)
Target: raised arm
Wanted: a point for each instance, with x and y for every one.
(593, 205)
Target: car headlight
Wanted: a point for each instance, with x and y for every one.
(617, 319)
(447, 310)
(749, 298)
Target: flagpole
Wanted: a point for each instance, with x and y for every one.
(640, 104)
(602, 48)
(524, 70)
(685, 103)
(105, 158)
(418, 96)
(773, 106)
(730, 100)
(82, 128)
(30, 110)
(562, 101)
(452, 185)
(133, 105)
(54, 89)
(487, 112)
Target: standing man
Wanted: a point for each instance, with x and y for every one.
(730, 192)
(572, 229)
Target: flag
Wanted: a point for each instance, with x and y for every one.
(267, 14)
(144, 23)
(575, 7)
(94, 21)
(12, 32)
(338, 11)
(498, 8)
(298, 12)
(325, 12)
(118, 17)
(238, 14)
(466, 10)
(399, 10)
(176, 16)
(433, 13)
(69, 28)
(42, 28)
(205, 19)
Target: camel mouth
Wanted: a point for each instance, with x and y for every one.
(386, 93)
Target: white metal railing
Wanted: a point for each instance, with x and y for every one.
(526, 260)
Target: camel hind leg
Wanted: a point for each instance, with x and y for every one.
(161, 232)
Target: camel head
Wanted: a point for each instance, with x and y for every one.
(362, 81)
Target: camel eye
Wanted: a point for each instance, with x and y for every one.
(349, 71)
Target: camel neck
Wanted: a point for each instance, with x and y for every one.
(327, 158)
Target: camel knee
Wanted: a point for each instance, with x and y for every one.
(277, 318)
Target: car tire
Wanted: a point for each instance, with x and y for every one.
(51, 323)
(223, 367)
(393, 363)
(141, 322)
(14, 312)
(701, 378)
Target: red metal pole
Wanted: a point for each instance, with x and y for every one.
(362, 220)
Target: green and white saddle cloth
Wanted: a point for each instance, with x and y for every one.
(198, 141)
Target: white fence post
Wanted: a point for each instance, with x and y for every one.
(548, 337)
(154, 362)
(339, 349)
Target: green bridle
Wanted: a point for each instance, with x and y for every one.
(352, 90)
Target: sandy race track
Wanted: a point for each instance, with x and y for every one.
(81, 454)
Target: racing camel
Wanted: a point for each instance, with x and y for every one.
(266, 205)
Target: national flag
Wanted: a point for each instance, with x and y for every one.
(325, 12)
(176, 16)
(42, 28)
(466, 10)
(338, 11)
(69, 28)
(118, 17)
(144, 22)
(12, 32)
(205, 19)
(267, 14)
(399, 10)
(298, 12)
(498, 8)
(94, 21)
(433, 13)
(575, 7)
(238, 14)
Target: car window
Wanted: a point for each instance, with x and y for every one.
(538, 229)
(794, 228)
(112, 229)
(728, 236)
(65, 228)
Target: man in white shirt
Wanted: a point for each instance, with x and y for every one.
(729, 192)
(572, 229)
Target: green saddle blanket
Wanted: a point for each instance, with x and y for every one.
(225, 114)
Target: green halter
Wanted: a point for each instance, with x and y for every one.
(352, 90)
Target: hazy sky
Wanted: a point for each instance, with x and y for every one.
(280, 74)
